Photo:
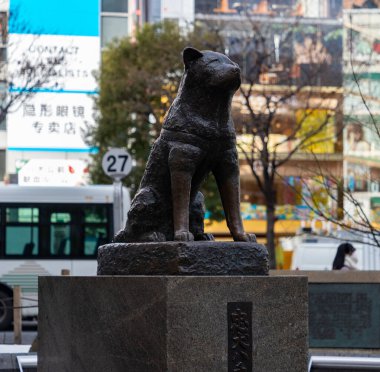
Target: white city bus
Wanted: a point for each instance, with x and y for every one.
(44, 230)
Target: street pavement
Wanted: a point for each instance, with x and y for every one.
(29, 333)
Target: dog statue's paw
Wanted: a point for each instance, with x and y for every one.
(185, 236)
(252, 238)
(244, 237)
(204, 236)
(154, 237)
(119, 237)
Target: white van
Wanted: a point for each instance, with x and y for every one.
(312, 252)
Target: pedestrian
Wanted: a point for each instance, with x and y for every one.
(345, 258)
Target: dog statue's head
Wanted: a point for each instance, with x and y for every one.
(211, 69)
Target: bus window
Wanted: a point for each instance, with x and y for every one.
(20, 215)
(95, 228)
(95, 214)
(94, 237)
(60, 234)
(21, 231)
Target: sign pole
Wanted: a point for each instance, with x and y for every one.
(117, 205)
(117, 163)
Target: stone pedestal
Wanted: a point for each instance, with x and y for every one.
(173, 323)
(183, 258)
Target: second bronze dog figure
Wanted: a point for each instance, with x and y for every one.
(198, 137)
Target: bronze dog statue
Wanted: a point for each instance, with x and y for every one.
(198, 137)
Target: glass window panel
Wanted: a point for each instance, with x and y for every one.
(2, 162)
(95, 214)
(3, 92)
(94, 237)
(120, 6)
(21, 240)
(113, 27)
(3, 54)
(22, 215)
(3, 27)
(59, 217)
(3, 86)
(60, 244)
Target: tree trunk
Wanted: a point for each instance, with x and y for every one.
(271, 218)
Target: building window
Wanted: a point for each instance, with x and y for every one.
(3, 54)
(115, 6)
(113, 27)
(2, 164)
(3, 28)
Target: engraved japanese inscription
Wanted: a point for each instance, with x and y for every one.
(239, 315)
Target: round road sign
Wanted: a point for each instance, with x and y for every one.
(117, 163)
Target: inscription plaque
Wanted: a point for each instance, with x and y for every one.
(344, 315)
(239, 315)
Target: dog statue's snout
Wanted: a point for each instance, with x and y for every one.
(236, 68)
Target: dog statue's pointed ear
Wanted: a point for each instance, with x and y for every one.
(189, 55)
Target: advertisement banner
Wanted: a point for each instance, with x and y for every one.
(361, 138)
(361, 45)
(77, 57)
(53, 53)
(304, 199)
(51, 120)
(362, 175)
(375, 209)
(317, 130)
(283, 212)
(53, 172)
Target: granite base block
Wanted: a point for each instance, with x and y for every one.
(173, 323)
(183, 258)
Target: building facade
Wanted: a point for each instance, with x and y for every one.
(291, 55)
(361, 68)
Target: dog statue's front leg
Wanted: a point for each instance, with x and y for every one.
(181, 187)
(227, 178)
(231, 205)
(182, 165)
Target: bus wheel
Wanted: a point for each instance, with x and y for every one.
(5, 310)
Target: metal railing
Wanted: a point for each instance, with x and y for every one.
(346, 362)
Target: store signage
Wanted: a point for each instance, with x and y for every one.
(53, 172)
(56, 116)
